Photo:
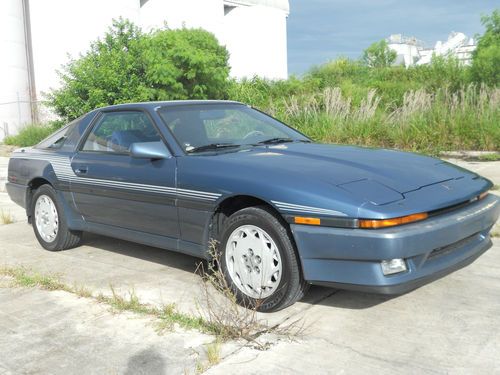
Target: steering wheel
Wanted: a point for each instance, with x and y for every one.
(254, 133)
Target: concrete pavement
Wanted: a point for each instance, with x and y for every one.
(451, 325)
(45, 332)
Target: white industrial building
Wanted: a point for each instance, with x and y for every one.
(37, 36)
(412, 51)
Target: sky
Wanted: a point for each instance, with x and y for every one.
(322, 30)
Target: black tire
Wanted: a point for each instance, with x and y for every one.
(292, 286)
(65, 238)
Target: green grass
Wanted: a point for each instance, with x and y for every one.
(427, 110)
(427, 123)
(490, 157)
(24, 278)
(166, 317)
(30, 135)
(128, 302)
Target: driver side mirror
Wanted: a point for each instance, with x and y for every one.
(149, 150)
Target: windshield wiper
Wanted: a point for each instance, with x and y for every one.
(273, 141)
(211, 147)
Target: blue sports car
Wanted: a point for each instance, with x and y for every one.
(285, 212)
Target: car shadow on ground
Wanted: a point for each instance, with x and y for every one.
(343, 299)
(168, 258)
(315, 296)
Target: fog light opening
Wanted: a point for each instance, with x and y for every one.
(393, 266)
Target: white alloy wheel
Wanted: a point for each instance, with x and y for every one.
(46, 218)
(253, 261)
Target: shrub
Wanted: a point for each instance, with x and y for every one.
(379, 55)
(130, 66)
(32, 134)
(486, 61)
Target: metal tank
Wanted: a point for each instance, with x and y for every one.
(16, 80)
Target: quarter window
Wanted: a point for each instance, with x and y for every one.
(56, 140)
(116, 131)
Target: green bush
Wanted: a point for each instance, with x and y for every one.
(379, 55)
(32, 134)
(486, 62)
(130, 66)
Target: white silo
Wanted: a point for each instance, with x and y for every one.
(15, 78)
(255, 35)
(60, 28)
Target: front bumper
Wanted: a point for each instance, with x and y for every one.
(350, 258)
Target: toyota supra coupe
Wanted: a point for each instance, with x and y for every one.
(284, 211)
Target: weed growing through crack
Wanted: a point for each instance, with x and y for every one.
(81, 291)
(23, 278)
(214, 352)
(126, 302)
(213, 357)
(168, 316)
(6, 217)
(222, 311)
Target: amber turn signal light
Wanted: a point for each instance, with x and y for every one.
(307, 220)
(483, 195)
(374, 224)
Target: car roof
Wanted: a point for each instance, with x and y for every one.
(167, 103)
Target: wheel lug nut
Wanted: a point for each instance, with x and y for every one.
(257, 269)
(250, 252)
(257, 259)
(249, 269)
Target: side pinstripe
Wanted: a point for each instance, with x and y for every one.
(63, 171)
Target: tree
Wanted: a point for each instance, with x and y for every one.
(379, 55)
(128, 65)
(486, 58)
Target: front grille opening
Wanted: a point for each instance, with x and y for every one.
(445, 250)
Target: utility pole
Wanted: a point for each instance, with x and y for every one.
(29, 60)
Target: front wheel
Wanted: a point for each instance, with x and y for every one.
(259, 260)
(49, 221)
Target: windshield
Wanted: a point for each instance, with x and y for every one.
(208, 127)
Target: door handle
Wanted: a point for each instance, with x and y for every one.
(81, 170)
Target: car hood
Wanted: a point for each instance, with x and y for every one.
(346, 166)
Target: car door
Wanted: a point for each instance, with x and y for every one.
(112, 188)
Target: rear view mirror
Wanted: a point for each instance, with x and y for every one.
(149, 150)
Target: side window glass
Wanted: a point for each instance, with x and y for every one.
(116, 131)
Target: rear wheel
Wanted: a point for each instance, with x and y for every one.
(259, 260)
(49, 221)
